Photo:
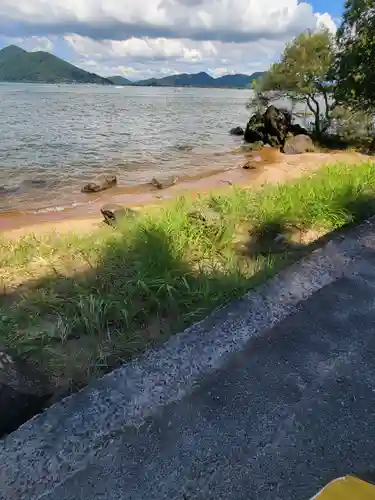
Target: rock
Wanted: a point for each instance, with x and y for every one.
(113, 213)
(184, 147)
(277, 123)
(296, 129)
(237, 131)
(298, 144)
(4, 191)
(249, 165)
(164, 183)
(23, 392)
(288, 117)
(255, 130)
(100, 185)
(272, 128)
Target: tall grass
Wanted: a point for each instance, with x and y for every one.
(78, 306)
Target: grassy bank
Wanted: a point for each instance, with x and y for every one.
(80, 305)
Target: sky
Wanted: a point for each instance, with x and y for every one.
(152, 38)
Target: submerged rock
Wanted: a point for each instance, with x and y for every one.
(100, 185)
(113, 213)
(184, 147)
(23, 392)
(237, 131)
(298, 144)
(164, 183)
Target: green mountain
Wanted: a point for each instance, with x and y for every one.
(119, 80)
(238, 81)
(9, 52)
(17, 65)
(201, 80)
(196, 80)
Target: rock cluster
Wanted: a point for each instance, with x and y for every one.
(275, 128)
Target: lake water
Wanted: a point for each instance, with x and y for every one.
(54, 139)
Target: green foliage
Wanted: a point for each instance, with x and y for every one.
(78, 305)
(304, 75)
(353, 127)
(355, 66)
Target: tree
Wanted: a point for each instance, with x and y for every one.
(303, 75)
(355, 68)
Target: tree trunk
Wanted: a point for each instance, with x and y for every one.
(314, 107)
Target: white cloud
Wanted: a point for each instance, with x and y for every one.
(42, 43)
(226, 20)
(326, 21)
(145, 57)
(142, 48)
(144, 38)
(33, 43)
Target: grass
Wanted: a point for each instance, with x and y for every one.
(78, 306)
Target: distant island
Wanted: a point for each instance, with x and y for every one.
(18, 65)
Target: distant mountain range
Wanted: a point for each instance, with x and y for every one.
(195, 80)
(119, 80)
(18, 65)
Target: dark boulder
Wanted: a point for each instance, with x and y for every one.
(296, 129)
(288, 117)
(113, 213)
(277, 123)
(23, 392)
(272, 128)
(237, 131)
(298, 144)
(164, 183)
(255, 130)
(100, 185)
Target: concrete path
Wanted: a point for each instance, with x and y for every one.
(268, 399)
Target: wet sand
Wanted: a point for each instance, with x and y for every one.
(270, 167)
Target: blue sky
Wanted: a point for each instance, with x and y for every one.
(144, 38)
(334, 7)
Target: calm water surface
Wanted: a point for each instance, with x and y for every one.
(55, 138)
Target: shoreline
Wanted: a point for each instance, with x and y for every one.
(270, 167)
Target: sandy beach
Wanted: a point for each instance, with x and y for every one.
(269, 166)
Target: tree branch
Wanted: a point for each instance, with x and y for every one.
(315, 101)
(309, 105)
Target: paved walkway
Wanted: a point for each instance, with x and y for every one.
(285, 412)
